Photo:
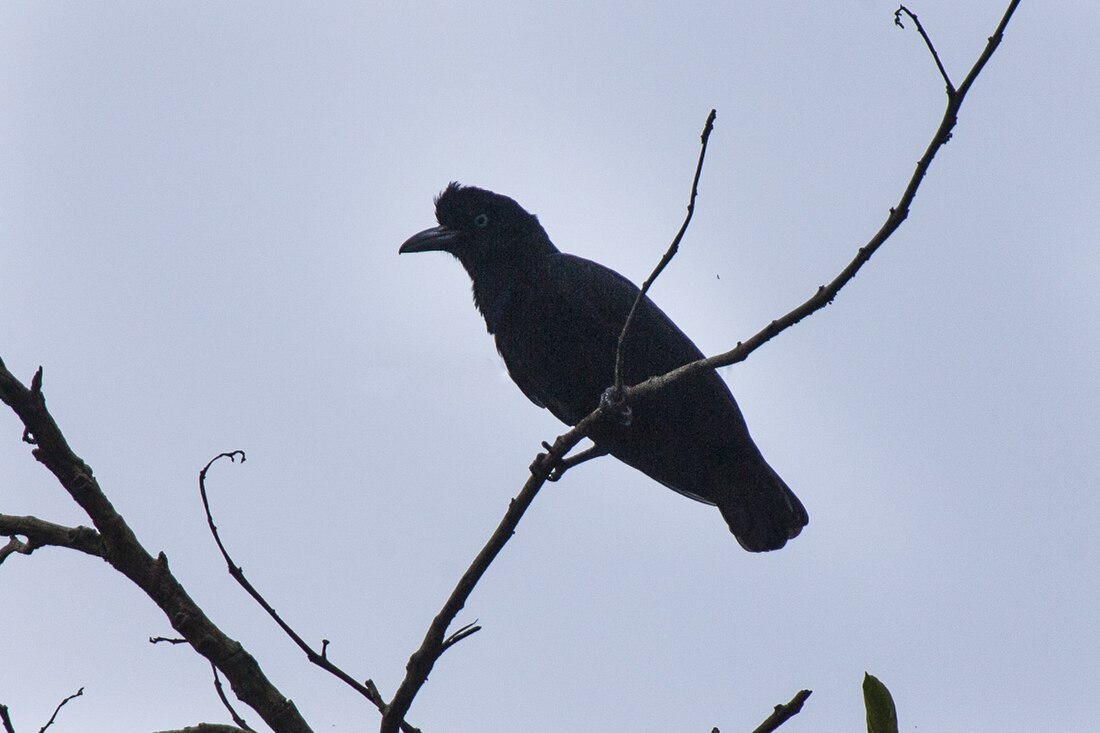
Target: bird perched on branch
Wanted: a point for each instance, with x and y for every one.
(557, 320)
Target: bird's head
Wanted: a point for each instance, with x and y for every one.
(480, 227)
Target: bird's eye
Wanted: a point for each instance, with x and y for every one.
(481, 221)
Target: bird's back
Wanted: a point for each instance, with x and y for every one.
(558, 333)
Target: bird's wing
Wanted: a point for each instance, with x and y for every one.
(561, 331)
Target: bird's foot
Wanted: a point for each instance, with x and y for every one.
(616, 407)
(542, 464)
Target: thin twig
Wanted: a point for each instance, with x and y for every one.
(6, 719)
(783, 713)
(237, 719)
(669, 254)
(468, 630)
(370, 692)
(57, 710)
(927, 41)
(826, 293)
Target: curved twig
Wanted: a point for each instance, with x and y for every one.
(927, 41)
(126, 554)
(367, 690)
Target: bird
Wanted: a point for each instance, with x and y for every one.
(556, 319)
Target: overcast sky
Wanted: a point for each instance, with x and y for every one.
(200, 210)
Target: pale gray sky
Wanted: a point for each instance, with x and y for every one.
(200, 209)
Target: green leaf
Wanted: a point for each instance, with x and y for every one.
(882, 717)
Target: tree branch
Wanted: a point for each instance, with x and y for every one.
(783, 713)
(827, 293)
(5, 719)
(431, 649)
(40, 533)
(57, 710)
(927, 41)
(367, 690)
(125, 553)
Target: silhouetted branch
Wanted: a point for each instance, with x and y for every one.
(673, 248)
(121, 548)
(927, 41)
(783, 713)
(57, 710)
(424, 658)
(898, 214)
(225, 701)
(40, 533)
(5, 719)
(368, 690)
(468, 630)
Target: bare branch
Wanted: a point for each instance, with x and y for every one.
(40, 533)
(467, 630)
(60, 705)
(424, 658)
(827, 293)
(927, 41)
(5, 718)
(121, 548)
(783, 713)
(369, 691)
(672, 249)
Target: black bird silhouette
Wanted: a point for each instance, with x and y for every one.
(557, 320)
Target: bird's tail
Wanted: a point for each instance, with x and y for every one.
(762, 511)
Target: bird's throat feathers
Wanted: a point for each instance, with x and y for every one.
(494, 287)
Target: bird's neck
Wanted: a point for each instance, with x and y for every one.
(498, 280)
(495, 287)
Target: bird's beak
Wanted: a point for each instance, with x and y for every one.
(436, 239)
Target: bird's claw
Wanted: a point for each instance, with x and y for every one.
(542, 465)
(616, 406)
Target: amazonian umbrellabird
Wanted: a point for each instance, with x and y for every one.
(557, 319)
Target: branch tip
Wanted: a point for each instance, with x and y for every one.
(57, 710)
(927, 42)
(669, 254)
